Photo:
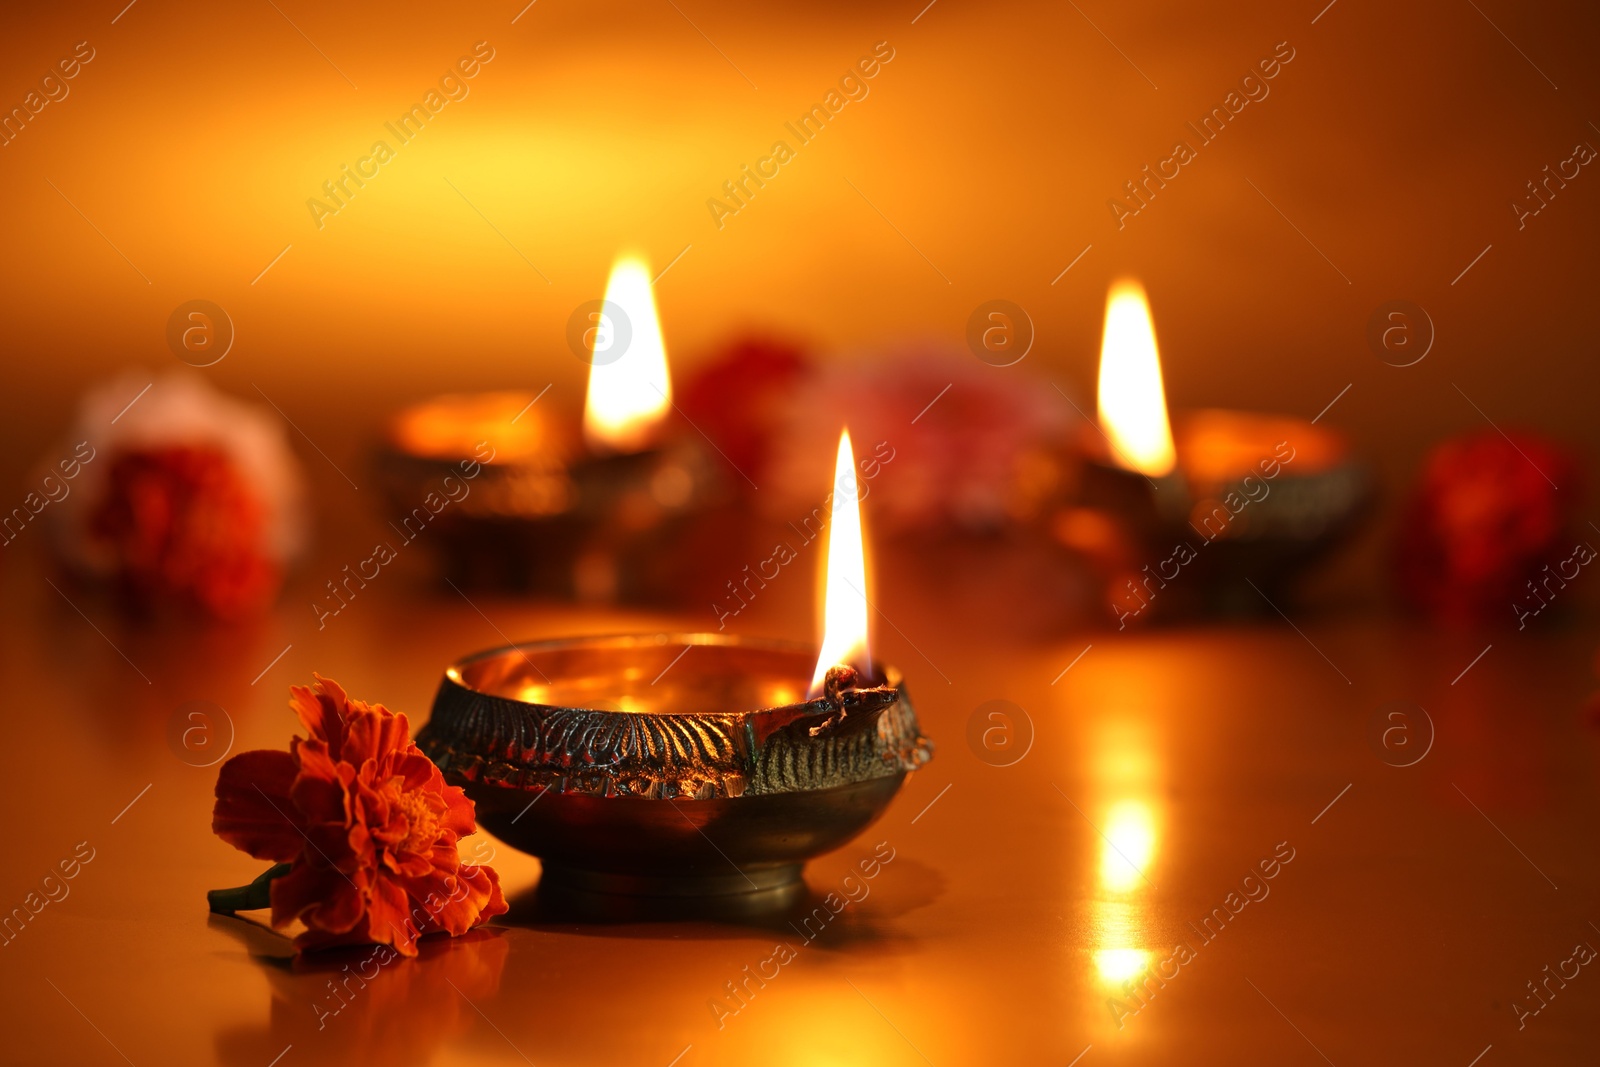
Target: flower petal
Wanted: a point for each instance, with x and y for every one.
(318, 895)
(484, 899)
(318, 790)
(323, 711)
(254, 812)
(408, 865)
(390, 915)
(417, 770)
(457, 900)
(461, 815)
(375, 733)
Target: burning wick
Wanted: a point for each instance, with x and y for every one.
(844, 605)
(630, 391)
(1133, 404)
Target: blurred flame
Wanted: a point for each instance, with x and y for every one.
(1119, 964)
(1127, 774)
(628, 396)
(1130, 844)
(844, 611)
(1133, 405)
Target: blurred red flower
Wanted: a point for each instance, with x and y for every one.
(181, 523)
(1484, 518)
(366, 823)
(738, 396)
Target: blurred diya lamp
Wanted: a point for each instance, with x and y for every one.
(685, 766)
(1185, 510)
(1270, 496)
(1130, 475)
(528, 500)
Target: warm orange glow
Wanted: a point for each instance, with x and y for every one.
(1126, 776)
(629, 394)
(1117, 965)
(1130, 845)
(1133, 405)
(453, 427)
(844, 611)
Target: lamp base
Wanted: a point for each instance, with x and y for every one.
(760, 880)
(575, 894)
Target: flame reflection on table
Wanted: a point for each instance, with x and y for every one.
(1125, 774)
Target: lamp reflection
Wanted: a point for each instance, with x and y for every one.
(1130, 844)
(365, 1003)
(1125, 774)
(1117, 965)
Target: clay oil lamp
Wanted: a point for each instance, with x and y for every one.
(592, 508)
(685, 766)
(1189, 511)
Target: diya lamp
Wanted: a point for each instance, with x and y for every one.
(1130, 474)
(1181, 511)
(593, 509)
(688, 767)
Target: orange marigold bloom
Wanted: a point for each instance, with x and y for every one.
(183, 522)
(365, 821)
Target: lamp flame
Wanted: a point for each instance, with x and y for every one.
(629, 392)
(1133, 405)
(844, 604)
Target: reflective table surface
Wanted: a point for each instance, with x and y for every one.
(1343, 840)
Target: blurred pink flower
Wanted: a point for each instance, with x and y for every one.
(973, 447)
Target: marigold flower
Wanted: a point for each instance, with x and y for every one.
(182, 497)
(365, 823)
(181, 523)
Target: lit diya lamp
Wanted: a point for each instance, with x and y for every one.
(685, 765)
(518, 496)
(1185, 510)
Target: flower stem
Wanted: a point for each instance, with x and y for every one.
(258, 894)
